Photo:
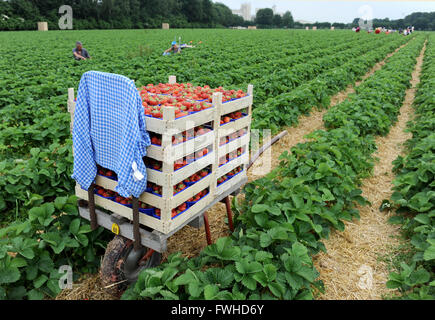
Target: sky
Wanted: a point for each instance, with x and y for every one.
(338, 11)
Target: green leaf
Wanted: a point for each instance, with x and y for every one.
(422, 218)
(277, 289)
(257, 208)
(249, 282)
(262, 219)
(17, 293)
(35, 295)
(168, 295)
(74, 226)
(18, 262)
(261, 278)
(210, 291)
(261, 256)
(429, 253)
(419, 276)
(265, 240)
(168, 274)
(9, 275)
(38, 282)
(270, 272)
(59, 202)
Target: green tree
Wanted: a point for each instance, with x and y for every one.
(287, 20)
(277, 20)
(264, 17)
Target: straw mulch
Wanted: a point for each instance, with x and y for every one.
(351, 268)
(88, 288)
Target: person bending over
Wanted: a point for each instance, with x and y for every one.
(173, 49)
(80, 53)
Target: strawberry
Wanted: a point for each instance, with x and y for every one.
(203, 173)
(187, 104)
(156, 114)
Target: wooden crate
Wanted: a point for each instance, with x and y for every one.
(168, 153)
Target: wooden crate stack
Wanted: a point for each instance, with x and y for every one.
(168, 154)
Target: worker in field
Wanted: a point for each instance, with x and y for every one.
(173, 49)
(80, 53)
(177, 49)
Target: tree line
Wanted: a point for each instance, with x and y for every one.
(140, 14)
(425, 21)
(118, 14)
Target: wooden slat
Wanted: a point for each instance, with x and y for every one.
(243, 159)
(234, 145)
(234, 126)
(174, 152)
(230, 183)
(236, 105)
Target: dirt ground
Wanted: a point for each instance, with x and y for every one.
(351, 268)
(191, 241)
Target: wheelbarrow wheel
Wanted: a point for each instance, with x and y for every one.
(121, 264)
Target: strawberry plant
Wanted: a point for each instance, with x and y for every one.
(413, 194)
(49, 236)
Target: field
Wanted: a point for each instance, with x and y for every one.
(357, 89)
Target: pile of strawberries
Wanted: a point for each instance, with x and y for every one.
(142, 205)
(106, 172)
(232, 117)
(183, 207)
(229, 175)
(153, 105)
(231, 156)
(198, 196)
(156, 139)
(233, 136)
(185, 97)
(122, 200)
(104, 192)
(180, 163)
(156, 189)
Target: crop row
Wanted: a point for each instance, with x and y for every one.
(374, 107)
(35, 144)
(414, 195)
(282, 219)
(285, 108)
(19, 136)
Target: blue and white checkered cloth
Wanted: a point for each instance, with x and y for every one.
(110, 130)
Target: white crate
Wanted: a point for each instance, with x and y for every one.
(168, 153)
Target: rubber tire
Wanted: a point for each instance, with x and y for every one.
(112, 269)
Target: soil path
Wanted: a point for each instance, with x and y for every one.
(351, 268)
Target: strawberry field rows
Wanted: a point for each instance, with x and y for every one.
(414, 191)
(292, 72)
(285, 215)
